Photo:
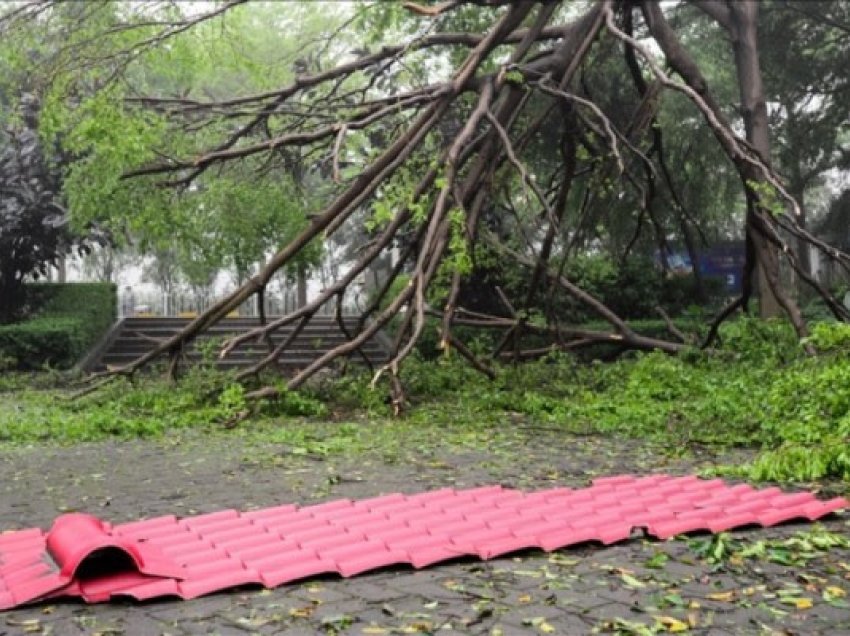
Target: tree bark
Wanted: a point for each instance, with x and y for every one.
(474, 151)
(743, 27)
(62, 270)
(803, 246)
(302, 287)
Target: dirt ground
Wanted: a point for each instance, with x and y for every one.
(636, 587)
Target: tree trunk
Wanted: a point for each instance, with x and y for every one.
(743, 27)
(61, 270)
(302, 287)
(797, 184)
(693, 253)
(804, 254)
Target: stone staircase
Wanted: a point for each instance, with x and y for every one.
(132, 337)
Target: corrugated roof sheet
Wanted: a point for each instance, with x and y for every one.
(84, 557)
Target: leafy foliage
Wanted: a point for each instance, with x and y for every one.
(632, 289)
(796, 550)
(228, 221)
(257, 132)
(833, 337)
(33, 220)
(798, 417)
(47, 341)
(66, 320)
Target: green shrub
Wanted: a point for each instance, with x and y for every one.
(759, 390)
(828, 459)
(806, 424)
(631, 290)
(760, 341)
(830, 336)
(678, 293)
(66, 320)
(44, 341)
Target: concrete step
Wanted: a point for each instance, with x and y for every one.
(288, 362)
(294, 363)
(138, 335)
(237, 323)
(371, 352)
(374, 349)
(162, 334)
(143, 344)
(174, 328)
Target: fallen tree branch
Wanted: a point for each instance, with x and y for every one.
(671, 327)
(579, 294)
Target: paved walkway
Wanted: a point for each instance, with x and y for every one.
(619, 589)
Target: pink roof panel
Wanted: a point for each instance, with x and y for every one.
(167, 556)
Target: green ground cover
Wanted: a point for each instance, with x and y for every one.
(758, 390)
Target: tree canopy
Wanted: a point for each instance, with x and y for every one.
(33, 219)
(457, 136)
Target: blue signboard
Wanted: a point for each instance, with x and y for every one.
(724, 261)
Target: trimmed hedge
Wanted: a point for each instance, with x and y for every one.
(66, 320)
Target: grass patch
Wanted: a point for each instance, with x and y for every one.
(759, 391)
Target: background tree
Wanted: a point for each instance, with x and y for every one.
(468, 132)
(807, 83)
(34, 232)
(104, 263)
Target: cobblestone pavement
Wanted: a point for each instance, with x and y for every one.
(637, 587)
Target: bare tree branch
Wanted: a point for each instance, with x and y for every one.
(716, 9)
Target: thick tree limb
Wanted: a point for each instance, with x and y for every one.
(363, 186)
(588, 336)
(455, 139)
(579, 294)
(716, 9)
(738, 149)
(749, 162)
(435, 237)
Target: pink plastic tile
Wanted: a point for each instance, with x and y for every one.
(205, 553)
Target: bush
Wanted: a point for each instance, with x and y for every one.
(758, 389)
(66, 320)
(830, 337)
(50, 341)
(631, 290)
(679, 293)
(806, 426)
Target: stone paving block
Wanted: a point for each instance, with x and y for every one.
(350, 607)
(140, 624)
(374, 615)
(220, 630)
(367, 629)
(623, 595)
(226, 479)
(176, 611)
(377, 592)
(407, 605)
(429, 590)
(519, 616)
(327, 592)
(569, 624)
